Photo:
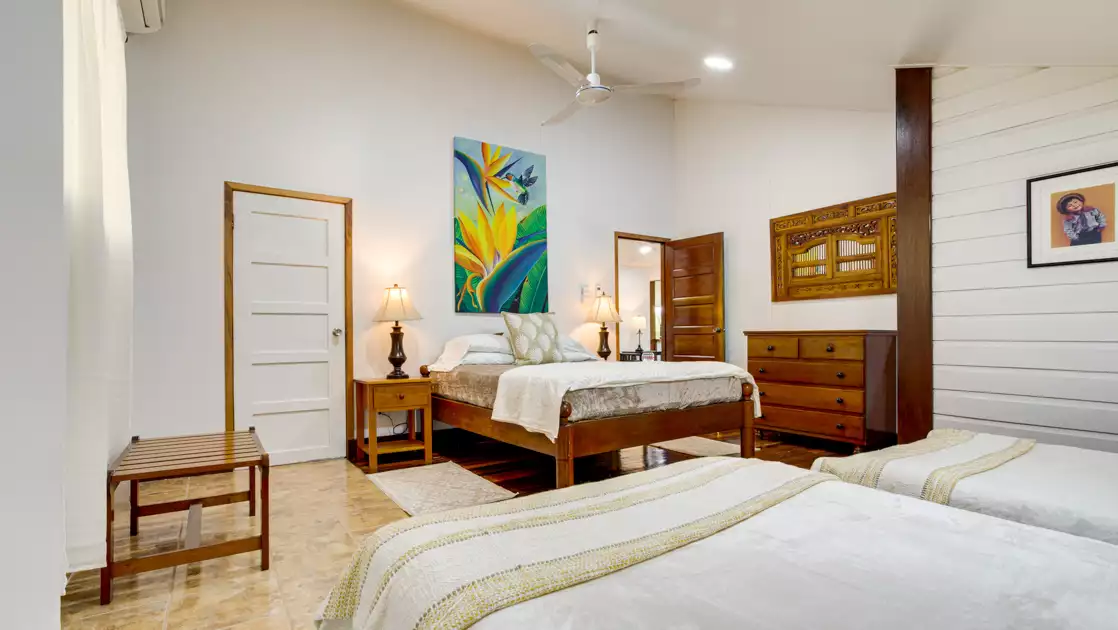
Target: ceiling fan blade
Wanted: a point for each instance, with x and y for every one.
(671, 87)
(563, 114)
(558, 64)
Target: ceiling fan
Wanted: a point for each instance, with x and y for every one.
(590, 89)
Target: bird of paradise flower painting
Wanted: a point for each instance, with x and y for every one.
(500, 229)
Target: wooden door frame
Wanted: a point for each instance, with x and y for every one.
(347, 204)
(914, 254)
(630, 236)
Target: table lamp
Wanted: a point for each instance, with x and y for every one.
(603, 312)
(639, 322)
(396, 307)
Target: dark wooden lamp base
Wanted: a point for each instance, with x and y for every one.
(397, 357)
(603, 342)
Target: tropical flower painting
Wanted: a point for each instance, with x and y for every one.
(500, 229)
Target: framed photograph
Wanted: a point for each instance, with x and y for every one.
(1071, 217)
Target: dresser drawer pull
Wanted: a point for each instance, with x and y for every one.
(770, 348)
(761, 371)
(840, 426)
(830, 347)
(840, 374)
(400, 396)
(839, 400)
(760, 393)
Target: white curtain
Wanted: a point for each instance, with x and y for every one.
(99, 222)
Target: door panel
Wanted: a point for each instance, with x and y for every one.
(289, 298)
(694, 320)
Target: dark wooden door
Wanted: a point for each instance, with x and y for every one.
(693, 306)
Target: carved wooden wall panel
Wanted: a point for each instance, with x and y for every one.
(839, 251)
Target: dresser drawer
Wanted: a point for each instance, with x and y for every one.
(846, 373)
(825, 398)
(400, 396)
(838, 348)
(822, 423)
(774, 347)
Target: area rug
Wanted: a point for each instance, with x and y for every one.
(700, 446)
(438, 487)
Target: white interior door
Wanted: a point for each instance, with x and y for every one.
(289, 313)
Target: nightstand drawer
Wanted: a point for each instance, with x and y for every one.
(844, 348)
(401, 396)
(825, 398)
(774, 347)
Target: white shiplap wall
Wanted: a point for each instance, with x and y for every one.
(1032, 352)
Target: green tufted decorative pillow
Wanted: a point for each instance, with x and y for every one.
(534, 337)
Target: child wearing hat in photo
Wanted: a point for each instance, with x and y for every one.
(1083, 224)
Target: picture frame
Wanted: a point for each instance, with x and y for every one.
(1070, 217)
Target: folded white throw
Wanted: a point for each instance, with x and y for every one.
(532, 395)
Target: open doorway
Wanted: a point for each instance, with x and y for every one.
(639, 296)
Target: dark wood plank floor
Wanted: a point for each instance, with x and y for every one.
(526, 472)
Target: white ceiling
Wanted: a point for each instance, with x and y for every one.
(820, 53)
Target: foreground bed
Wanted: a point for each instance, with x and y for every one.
(1058, 487)
(723, 543)
(602, 420)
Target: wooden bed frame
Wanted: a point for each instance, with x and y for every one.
(601, 435)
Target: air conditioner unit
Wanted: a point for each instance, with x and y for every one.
(143, 16)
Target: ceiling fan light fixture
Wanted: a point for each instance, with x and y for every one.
(718, 63)
(593, 94)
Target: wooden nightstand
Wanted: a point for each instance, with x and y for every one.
(377, 395)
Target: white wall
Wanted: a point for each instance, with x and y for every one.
(632, 291)
(33, 281)
(1025, 351)
(737, 166)
(357, 98)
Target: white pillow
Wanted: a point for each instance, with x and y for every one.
(488, 358)
(573, 351)
(456, 349)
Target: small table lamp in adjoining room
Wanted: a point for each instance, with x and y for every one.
(639, 322)
(603, 312)
(397, 307)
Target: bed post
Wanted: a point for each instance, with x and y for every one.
(564, 461)
(747, 447)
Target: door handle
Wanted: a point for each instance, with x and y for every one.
(717, 330)
(337, 332)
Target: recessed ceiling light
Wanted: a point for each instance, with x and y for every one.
(645, 250)
(719, 63)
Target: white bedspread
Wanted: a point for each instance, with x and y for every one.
(834, 555)
(531, 395)
(1068, 489)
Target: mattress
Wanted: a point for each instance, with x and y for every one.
(1046, 485)
(477, 385)
(723, 543)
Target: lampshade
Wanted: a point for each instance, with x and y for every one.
(639, 322)
(603, 311)
(396, 307)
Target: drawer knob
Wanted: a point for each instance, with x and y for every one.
(761, 371)
(841, 374)
(840, 426)
(400, 396)
(830, 347)
(770, 348)
(839, 400)
(760, 393)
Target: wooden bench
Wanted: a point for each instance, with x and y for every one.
(187, 456)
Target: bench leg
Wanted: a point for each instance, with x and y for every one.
(252, 490)
(564, 472)
(107, 570)
(133, 507)
(264, 554)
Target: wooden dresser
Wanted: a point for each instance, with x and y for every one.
(839, 385)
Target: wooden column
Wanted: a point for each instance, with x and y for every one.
(914, 253)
